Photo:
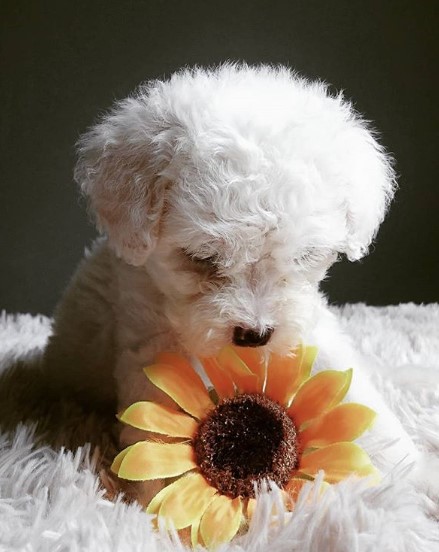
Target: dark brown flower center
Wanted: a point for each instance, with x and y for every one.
(243, 441)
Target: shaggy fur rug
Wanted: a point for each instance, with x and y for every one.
(50, 455)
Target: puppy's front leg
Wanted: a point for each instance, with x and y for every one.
(387, 442)
(134, 386)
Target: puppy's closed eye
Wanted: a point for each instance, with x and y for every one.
(205, 263)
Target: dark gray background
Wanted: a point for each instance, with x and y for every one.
(63, 62)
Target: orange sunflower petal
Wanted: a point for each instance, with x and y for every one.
(147, 460)
(318, 394)
(181, 383)
(158, 418)
(294, 486)
(221, 520)
(345, 422)
(187, 502)
(282, 376)
(242, 376)
(221, 381)
(338, 462)
(254, 359)
(286, 373)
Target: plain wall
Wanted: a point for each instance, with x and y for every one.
(64, 62)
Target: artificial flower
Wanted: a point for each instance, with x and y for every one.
(260, 421)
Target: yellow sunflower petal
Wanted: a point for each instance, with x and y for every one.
(181, 383)
(242, 376)
(318, 394)
(251, 506)
(195, 534)
(147, 460)
(115, 466)
(191, 496)
(158, 418)
(254, 359)
(338, 462)
(286, 373)
(221, 381)
(154, 506)
(308, 355)
(345, 422)
(221, 520)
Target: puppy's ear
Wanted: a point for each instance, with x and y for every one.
(119, 171)
(369, 183)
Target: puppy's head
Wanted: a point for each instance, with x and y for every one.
(236, 189)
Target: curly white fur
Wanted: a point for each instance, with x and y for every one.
(224, 196)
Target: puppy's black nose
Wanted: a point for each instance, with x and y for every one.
(251, 338)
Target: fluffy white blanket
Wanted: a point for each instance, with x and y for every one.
(50, 498)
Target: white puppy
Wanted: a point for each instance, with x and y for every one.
(224, 196)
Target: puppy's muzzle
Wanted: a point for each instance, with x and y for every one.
(251, 338)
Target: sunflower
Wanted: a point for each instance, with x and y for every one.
(261, 420)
